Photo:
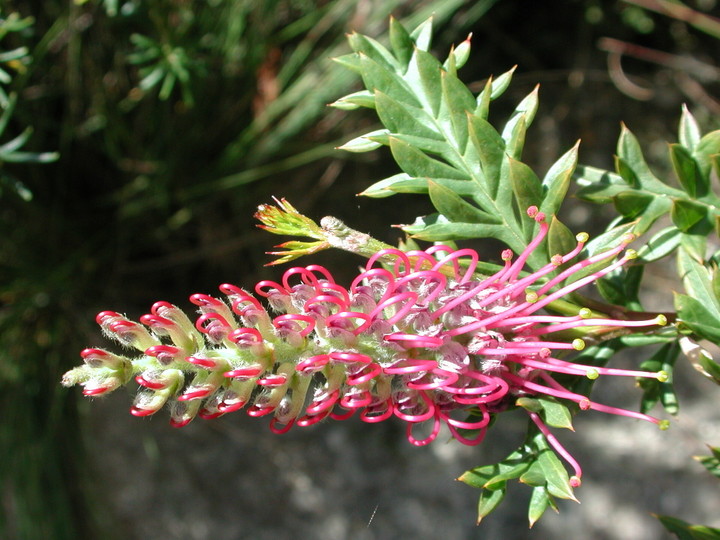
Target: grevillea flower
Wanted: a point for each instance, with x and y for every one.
(415, 336)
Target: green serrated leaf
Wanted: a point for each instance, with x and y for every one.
(456, 105)
(482, 108)
(697, 280)
(539, 502)
(686, 213)
(535, 475)
(404, 183)
(492, 476)
(455, 208)
(386, 187)
(490, 148)
(363, 143)
(660, 245)
(698, 318)
(655, 391)
(632, 203)
(422, 35)
(687, 172)
(560, 239)
(686, 531)
(401, 42)
(489, 500)
(377, 77)
(525, 111)
(526, 187)
(431, 146)
(712, 462)
(353, 101)
(501, 83)
(371, 48)
(423, 76)
(400, 117)
(350, 61)
(600, 244)
(555, 413)
(708, 146)
(416, 163)
(557, 180)
(437, 228)
(689, 131)
(630, 154)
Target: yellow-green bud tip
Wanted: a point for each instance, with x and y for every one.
(631, 254)
(531, 297)
(664, 424)
(582, 237)
(627, 238)
(661, 320)
(578, 344)
(585, 313)
(592, 374)
(662, 376)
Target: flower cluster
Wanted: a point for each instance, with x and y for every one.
(417, 336)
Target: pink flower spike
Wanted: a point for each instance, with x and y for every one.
(273, 380)
(365, 374)
(322, 270)
(259, 410)
(427, 440)
(406, 300)
(165, 354)
(421, 417)
(410, 365)
(151, 384)
(321, 299)
(465, 440)
(244, 337)
(306, 275)
(355, 400)
(519, 263)
(317, 407)
(198, 393)
(244, 373)
(282, 429)
(343, 416)
(89, 390)
(350, 357)
(135, 411)
(441, 379)
(272, 288)
(230, 407)
(312, 364)
(411, 341)
(351, 315)
(454, 255)
(309, 420)
(402, 261)
(295, 322)
(202, 362)
(373, 413)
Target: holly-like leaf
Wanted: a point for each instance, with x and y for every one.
(686, 531)
(711, 462)
(655, 391)
(694, 314)
(698, 280)
(687, 172)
